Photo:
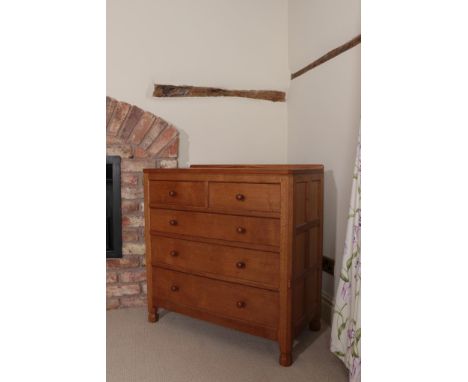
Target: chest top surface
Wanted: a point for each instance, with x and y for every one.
(282, 169)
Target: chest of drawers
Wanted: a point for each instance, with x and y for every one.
(239, 246)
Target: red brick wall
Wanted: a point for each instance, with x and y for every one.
(142, 140)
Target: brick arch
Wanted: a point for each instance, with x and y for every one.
(142, 140)
(137, 134)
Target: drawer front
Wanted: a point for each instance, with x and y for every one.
(178, 193)
(241, 263)
(245, 196)
(217, 297)
(217, 226)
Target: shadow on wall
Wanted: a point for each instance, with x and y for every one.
(184, 146)
(330, 215)
(335, 223)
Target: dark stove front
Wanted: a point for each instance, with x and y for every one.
(113, 208)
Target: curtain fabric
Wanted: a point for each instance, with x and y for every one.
(346, 325)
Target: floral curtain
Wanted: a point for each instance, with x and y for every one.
(346, 325)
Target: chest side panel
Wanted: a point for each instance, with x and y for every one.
(307, 249)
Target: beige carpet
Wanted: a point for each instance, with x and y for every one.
(182, 349)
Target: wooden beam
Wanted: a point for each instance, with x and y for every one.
(331, 54)
(197, 91)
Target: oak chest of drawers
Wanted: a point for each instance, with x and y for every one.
(239, 246)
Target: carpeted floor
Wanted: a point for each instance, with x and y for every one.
(182, 349)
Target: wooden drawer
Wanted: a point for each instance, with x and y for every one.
(245, 196)
(179, 193)
(217, 226)
(191, 256)
(235, 301)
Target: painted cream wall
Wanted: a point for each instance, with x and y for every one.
(317, 26)
(223, 43)
(248, 44)
(324, 108)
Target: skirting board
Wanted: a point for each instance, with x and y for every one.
(327, 309)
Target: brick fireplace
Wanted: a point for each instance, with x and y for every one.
(141, 140)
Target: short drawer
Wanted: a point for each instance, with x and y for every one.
(179, 193)
(241, 263)
(217, 226)
(245, 196)
(221, 298)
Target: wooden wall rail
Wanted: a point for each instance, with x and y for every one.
(268, 95)
(331, 54)
(197, 91)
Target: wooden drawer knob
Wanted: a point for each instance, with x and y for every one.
(173, 253)
(240, 230)
(172, 193)
(174, 288)
(240, 197)
(240, 264)
(173, 222)
(240, 304)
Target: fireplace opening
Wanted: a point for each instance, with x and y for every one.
(113, 208)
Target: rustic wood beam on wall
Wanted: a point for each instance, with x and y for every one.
(331, 54)
(198, 91)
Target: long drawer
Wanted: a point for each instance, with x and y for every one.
(217, 226)
(248, 304)
(241, 263)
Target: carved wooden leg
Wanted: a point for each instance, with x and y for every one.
(285, 329)
(153, 315)
(285, 346)
(285, 359)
